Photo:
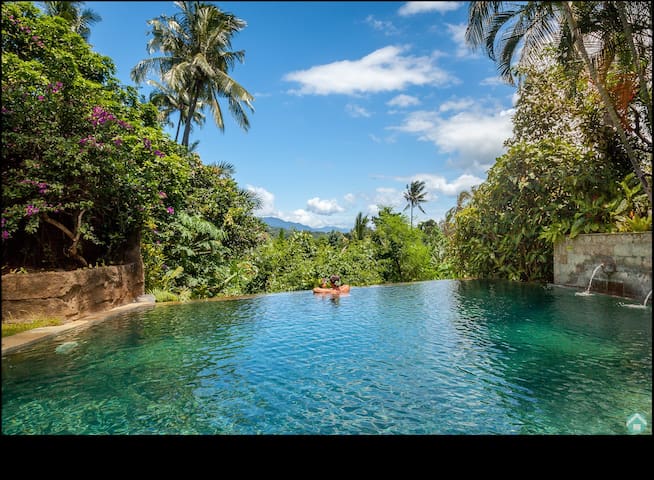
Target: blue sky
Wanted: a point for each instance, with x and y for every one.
(353, 101)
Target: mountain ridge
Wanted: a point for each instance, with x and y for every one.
(275, 222)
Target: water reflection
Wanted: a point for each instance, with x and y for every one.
(444, 357)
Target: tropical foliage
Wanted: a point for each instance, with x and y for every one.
(561, 176)
(415, 195)
(80, 19)
(87, 171)
(194, 63)
(83, 160)
(89, 176)
(609, 43)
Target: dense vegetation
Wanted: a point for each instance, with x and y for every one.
(90, 177)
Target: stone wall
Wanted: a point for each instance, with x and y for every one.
(69, 295)
(626, 259)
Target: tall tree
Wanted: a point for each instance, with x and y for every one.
(169, 101)
(80, 19)
(196, 57)
(593, 34)
(415, 195)
(360, 226)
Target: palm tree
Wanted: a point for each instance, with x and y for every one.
(574, 25)
(415, 194)
(79, 20)
(169, 101)
(360, 226)
(196, 58)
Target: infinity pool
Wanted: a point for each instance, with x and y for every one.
(441, 357)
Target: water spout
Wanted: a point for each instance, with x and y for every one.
(587, 291)
(637, 305)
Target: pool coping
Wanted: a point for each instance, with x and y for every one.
(14, 343)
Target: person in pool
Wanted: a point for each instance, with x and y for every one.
(334, 285)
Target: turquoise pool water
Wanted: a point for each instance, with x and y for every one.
(441, 357)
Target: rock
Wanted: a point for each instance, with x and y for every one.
(147, 298)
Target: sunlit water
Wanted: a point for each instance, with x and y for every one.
(442, 357)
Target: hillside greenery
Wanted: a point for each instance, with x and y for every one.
(90, 176)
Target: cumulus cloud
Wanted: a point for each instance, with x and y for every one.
(458, 34)
(438, 183)
(350, 197)
(412, 8)
(315, 220)
(357, 111)
(323, 207)
(383, 70)
(386, 27)
(403, 100)
(492, 82)
(456, 105)
(267, 208)
(473, 137)
(388, 196)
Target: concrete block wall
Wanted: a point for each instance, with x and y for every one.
(627, 259)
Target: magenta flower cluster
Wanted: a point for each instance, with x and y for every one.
(170, 210)
(25, 29)
(56, 87)
(90, 141)
(99, 116)
(42, 186)
(31, 210)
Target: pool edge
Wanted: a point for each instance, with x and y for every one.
(13, 343)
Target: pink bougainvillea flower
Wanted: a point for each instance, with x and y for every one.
(170, 210)
(31, 210)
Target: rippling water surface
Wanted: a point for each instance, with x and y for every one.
(441, 357)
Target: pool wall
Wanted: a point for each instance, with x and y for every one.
(69, 295)
(627, 259)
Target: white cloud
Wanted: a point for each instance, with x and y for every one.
(456, 105)
(323, 207)
(357, 111)
(267, 202)
(383, 70)
(475, 138)
(350, 197)
(388, 197)
(403, 100)
(373, 209)
(412, 8)
(458, 33)
(514, 98)
(382, 26)
(314, 220)
(438, 183)
(492, 82)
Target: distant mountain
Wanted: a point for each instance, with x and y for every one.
(275, 222)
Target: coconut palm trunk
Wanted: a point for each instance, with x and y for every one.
(606, 99)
